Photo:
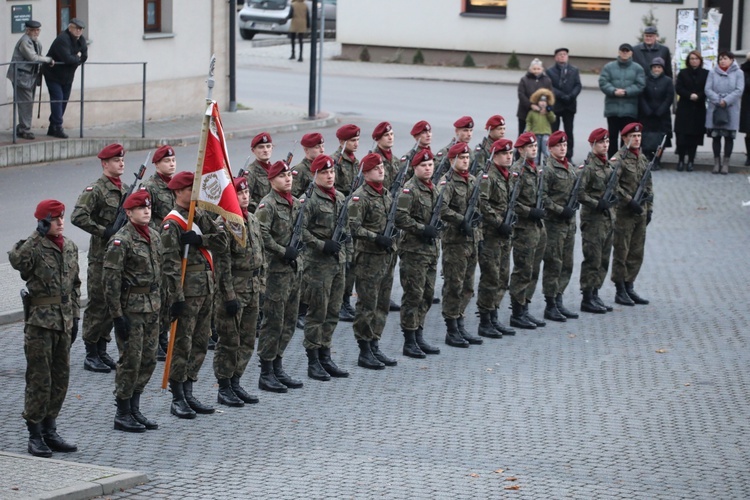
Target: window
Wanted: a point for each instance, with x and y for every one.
(587, 9)
(495, 7)
(66, 10)
(152, 16)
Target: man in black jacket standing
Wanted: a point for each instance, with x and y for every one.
(69, 48)
(566, 84)
(649, 49)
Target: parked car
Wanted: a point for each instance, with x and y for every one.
(273, 16)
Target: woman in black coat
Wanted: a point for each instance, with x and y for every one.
(745, 109)
(690, 120)
(654, 108)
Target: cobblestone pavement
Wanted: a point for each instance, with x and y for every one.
(646, 402)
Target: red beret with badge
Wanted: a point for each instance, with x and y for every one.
(502, 145)
(556, 138)
(420, 156)
(494, 121)
(380, 130)
(164, 151)
(346, 132)
(458, 149)
(51, 208)
(632, 127)
(139, 198)
(311, 140)
(277, 168)
(111, 151)
(525, 139)
(419, 127)
(181, 180)
(321, 162)
(262, 138)
(371, 161)
(464, 122)
(240, 183)
(598, 134)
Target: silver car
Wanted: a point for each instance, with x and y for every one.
(273, 16)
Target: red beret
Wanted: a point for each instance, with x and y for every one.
(111, 151)
(632, 127)
(262, 138)
(494, 121)
(371, 161)
(457, 149)
(181, 180)
(524, 139)
(464, 122)
(139, 198)
(502, 145)
(53, 208)
(240, 183)
(380, 130)
(311, 140)
(421, 156)
(556, 138)
(277, 168)
(321, 162)
(420, 127)
(598, 134)
(163, 151)
(346, 132)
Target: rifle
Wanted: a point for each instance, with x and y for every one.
(472, 215)
(475, 163)
(435, 220)
(121, 217)
(540, 186)
(640, 192)
(511, 217)
(339, 236)
(243, 170)
(439, 168)
(296, 241)
(572, 202)
(289, 158)
(609, 192)
(390, 225)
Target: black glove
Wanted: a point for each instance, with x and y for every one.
(635, 207)
(109, 231)
(383, 241)
(331, 247)
(649, 214)
(430, 232)
(191, 238)
(567, 213)
(74, 331)
(42, 227)
(177, 309)
(505, 230)
(602, 205)
(465, 227)
(536, 214)
(232, 307)
(122, 328)
(290, 253)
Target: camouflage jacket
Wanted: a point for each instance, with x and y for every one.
(529, 178)
(484, 152)
(455, 202)
(594, 178)
(162, 199)
(415, 204)
(392, 167)
(558, 184)
(48, 272)
(494, 196)
(409, 155)
(96, 209)
(368, 215)
(132, 272)
(630, 172)
(276, 220)
(321, 215)
(346, 171)
(257, 183)
(240, 267)
(302, 178)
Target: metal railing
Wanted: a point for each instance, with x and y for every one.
(82, 99)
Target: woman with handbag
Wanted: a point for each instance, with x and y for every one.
(690, 119)
(724, 88)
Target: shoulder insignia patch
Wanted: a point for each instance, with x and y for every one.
(142, 188)
(90, 188)
(116, 243)
(355, 198)
(443, 183)
(515, 174)
(485, 176)
(302, 200)
(165, 226)
(261, 205)
(406, 190)
(295, 173)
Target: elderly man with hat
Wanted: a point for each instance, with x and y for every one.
(257, 172)
(25, 74)
(132, 279)
(566, 85)
(422, 134)
(494, 259)
(529, 236)
(191, 299)
(495, 128)
(597, 219)
(645, 52)
(95, 212)
(632, 218)
(324, 274)
(560, 223)
(48, 262)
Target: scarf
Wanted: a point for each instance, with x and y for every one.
(245, 212)
(265, 165)
(330, 192)
(116, 181)
(57, 240)
(143, 231)
(287, 197)
(603, 158)
(429, 184)
(165, 178)
(530, 162)
(387, 154)
(503, 171)
(351, 156)
(634, 151)
(727, 66)
(463, 175)
(563, 162)
(377, 186)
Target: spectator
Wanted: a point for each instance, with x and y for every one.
(654, 109)
(299, 25)
(622, 81)
(650, 48)
(690, 120)
(540, 122)
(532, 81)
(724, 88)
(566, 84)
(745, 108)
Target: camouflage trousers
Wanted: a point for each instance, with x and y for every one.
(558, 256)
(494, 266)
(459, 265)
(237, 336)
(97, 320)
(280, 310)
(351, 275)
(324, 286)
(417, 273)
(374, 281)
(596, 243)
(628, 247)
(47, 372)
(529, 241)
(191, 338)
(137, 354)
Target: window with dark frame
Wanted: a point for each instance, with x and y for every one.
(587, 9)
(66, 10)
(496, 7)
(152, 16)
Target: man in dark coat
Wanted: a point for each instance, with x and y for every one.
(650, 48)
(566, 84)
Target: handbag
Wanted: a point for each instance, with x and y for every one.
(720, 117)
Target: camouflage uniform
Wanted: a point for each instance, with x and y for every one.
(302, 178)
(392, 167)
(51, 276)
(280, 307)
(132, 279)
(258, 183)
(162, 199)
(96, 209)
(346, 171)
(484, 152)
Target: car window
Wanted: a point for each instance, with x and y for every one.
(269, 4)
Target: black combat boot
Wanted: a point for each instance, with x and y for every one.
(314, 369)
(634, 296)
(124, 420)
(393, 306)
(241, 393)
(268, 381)
(380, 355)
(564, 310)
(226, 395)
(366, 358)
(92, 362)
(344, 314)
(135, 410)
(518, 316)
(411, 349)
(538, 322)
(53, 439)
(505, 330)
(161, 352)
(599, 301)
(347, 304)
(550, 311)
(179, 407)
(283, 377)
(324, 356)
(621, 296)
(37, 446)
(486, 329)
(589, 305)
(197, 406)
(453, 337)
(424, 346)
(471, 339)
(101, 347)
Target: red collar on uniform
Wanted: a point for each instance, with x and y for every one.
(143, 231)
(116, 181)
(57, 240)
(377, 186)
